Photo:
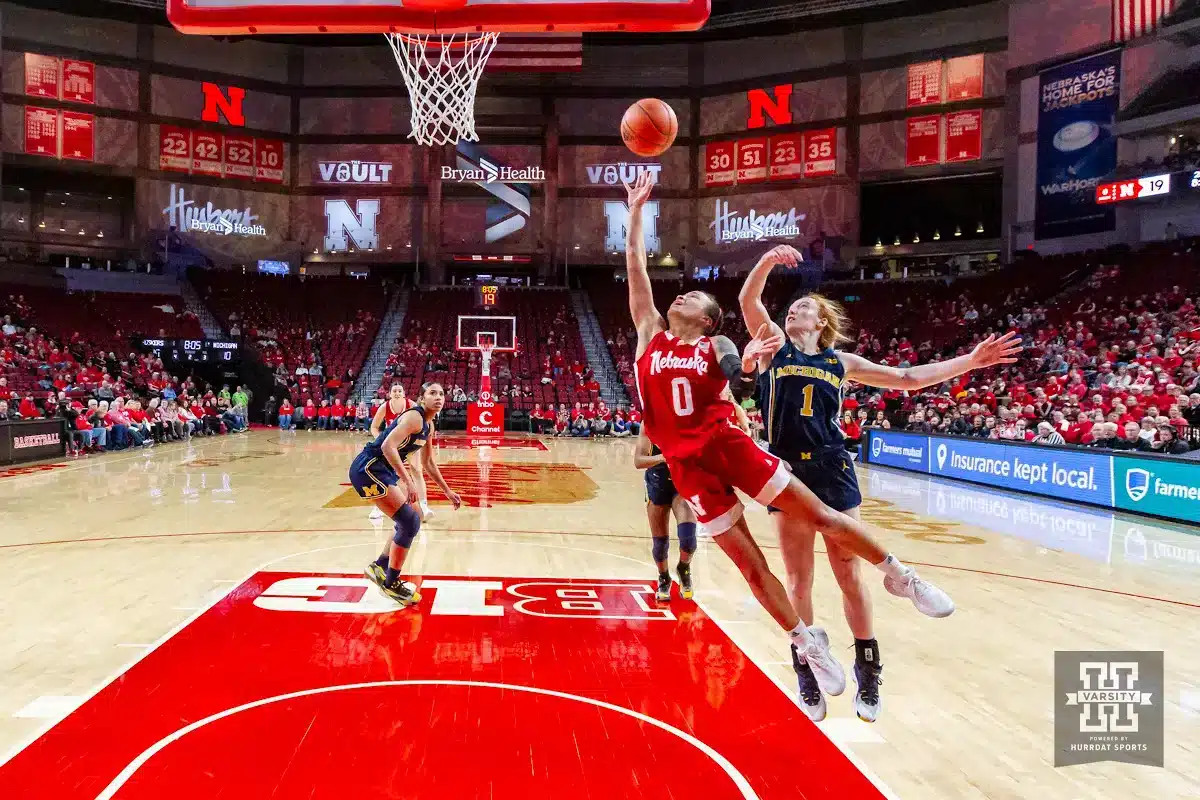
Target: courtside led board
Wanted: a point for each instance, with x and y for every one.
(434, 16)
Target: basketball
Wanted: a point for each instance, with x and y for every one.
(649, 127)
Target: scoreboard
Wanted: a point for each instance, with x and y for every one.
(1176, 184)
(200, 351)
(486, 295)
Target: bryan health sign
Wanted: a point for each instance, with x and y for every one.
(1163, 487)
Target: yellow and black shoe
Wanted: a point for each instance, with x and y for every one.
(376, 574)
(685, 580)
(663, 593)
(403, 593)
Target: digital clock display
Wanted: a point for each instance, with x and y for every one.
(192, 350)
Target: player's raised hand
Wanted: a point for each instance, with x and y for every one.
(639, 193)
(992, 350)
(766, 343)
(783, 254)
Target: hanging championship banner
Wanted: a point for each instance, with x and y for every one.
(79, 81)
(239, 157)
(924, 84)
(923, 142)
(78, 136)
(820, 153)
(270, 161)
(1076, 150)
(964, 78)
(207, 151)
(174, 148)
(752, 160)
(41, 75)
(41, 132)
(719, 167)
(787, 156)
(964, 136)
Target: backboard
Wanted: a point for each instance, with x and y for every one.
(216, 17)
(472, 331)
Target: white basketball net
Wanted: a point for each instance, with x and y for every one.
(442, 72)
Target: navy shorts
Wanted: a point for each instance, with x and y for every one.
(371, 475)
(660, 489)
(831, 478)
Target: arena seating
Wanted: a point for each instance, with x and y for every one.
(546, 329)
(299, 321)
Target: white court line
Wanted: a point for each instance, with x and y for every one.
(43, 730)
(49, 706)
(866, 771)
(738, 779)
(132, 644)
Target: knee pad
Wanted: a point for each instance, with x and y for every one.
(687, 536)
(408, 524)
(661, 548)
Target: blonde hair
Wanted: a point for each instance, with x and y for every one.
(836, 322)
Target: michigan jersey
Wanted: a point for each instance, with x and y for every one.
(374, 449)
(801, 398)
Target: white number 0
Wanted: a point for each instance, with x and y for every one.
(681, 397)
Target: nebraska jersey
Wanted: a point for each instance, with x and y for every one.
(681, 387)
(390, 416)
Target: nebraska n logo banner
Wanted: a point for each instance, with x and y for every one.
(510, 212)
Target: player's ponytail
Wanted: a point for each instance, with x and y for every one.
(836, 322)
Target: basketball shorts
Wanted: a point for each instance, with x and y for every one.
(371, 476)
(660, 489)
(831, 478)
(729, 460)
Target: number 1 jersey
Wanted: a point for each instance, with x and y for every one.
(680, 385)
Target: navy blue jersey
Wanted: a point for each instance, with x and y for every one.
(801, 398)
(374, 449)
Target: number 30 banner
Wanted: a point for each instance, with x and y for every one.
(719, 169)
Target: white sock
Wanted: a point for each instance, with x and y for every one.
(892, 567)
(800, 635)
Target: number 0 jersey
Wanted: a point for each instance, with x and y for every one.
(680, 385)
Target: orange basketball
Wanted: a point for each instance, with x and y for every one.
(649, 127)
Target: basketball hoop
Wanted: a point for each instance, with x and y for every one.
(487, 345)
(442, 73)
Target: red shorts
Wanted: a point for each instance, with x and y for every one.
(729, 460)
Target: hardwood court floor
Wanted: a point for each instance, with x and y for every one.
(104, 557)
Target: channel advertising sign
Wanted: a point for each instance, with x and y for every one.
(1076, 151)
(1159, 486)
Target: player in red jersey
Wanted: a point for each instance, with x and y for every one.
(396, 404)
(682, 367)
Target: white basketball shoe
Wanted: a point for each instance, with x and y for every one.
(929, 599)
(376, 513)
(812, 648)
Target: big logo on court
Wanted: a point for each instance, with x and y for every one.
(483, 485)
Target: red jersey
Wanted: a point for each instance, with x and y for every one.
(680, 385)
(389, 416)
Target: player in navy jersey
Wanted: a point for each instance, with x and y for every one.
(682, 369)
(383, 474)
(800, 392)
(662, 500)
